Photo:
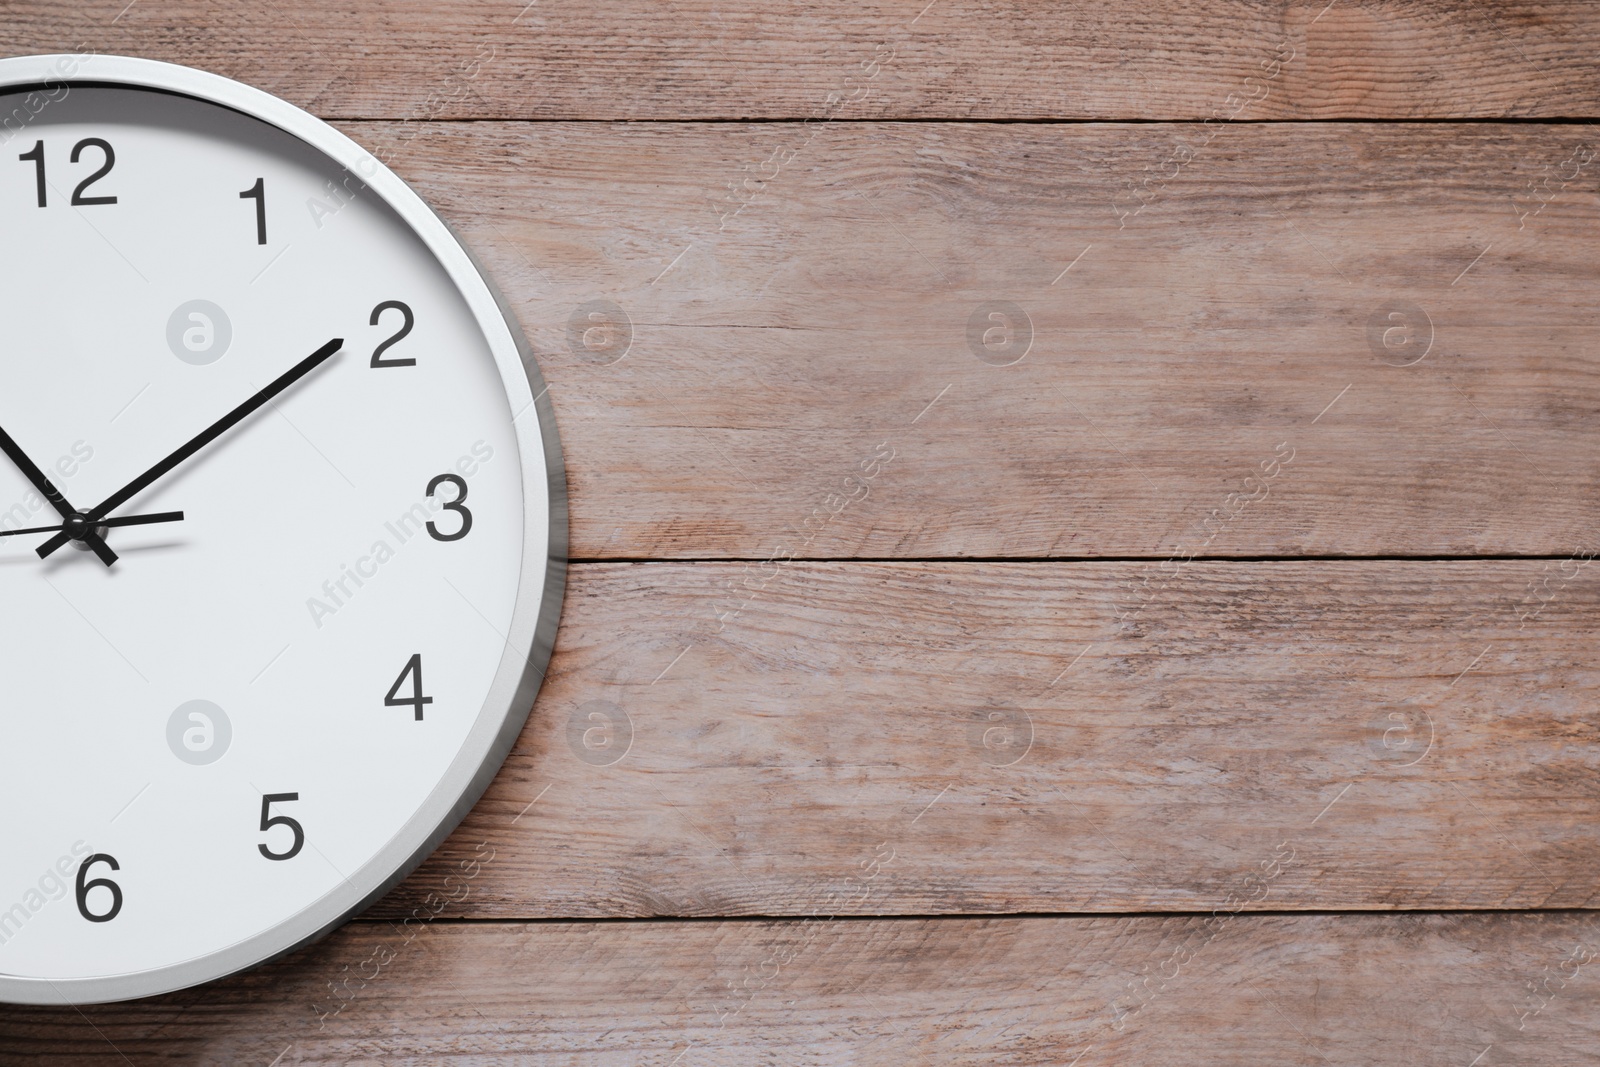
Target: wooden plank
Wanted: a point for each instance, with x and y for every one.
(992, 738)
(832, 59)
(1197, 990)
(1183, 339)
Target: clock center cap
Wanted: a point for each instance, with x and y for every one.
(77, 528)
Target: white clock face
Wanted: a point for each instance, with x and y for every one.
(212, 744)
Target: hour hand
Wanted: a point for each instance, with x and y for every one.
(31, 471)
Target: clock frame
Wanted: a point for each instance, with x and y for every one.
(540, 582)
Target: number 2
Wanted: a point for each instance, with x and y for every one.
(408, 321)
(105, 168)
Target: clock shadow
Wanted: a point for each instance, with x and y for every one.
(68, 557)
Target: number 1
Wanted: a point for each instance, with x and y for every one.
(36, 153)
(258, 193)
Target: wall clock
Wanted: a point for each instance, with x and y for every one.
(298, 528)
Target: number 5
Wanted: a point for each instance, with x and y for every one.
(269, 820)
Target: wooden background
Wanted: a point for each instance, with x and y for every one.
(1201, 688)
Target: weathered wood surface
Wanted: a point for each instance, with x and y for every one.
(850, 740)
(1425, 991)
(1211, 318)
(992, 737)
(827, 59)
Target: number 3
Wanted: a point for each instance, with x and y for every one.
(451, 505)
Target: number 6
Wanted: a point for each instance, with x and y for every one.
(98, 883)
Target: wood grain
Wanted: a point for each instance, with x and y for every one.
(1012, 754)
(1423, 991)
(1178, 337)
(831, 59)
(992, 738)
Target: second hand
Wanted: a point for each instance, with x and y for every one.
(128, 520)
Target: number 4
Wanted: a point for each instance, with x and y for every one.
(416, 700)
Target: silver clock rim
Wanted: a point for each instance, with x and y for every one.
(541, 581)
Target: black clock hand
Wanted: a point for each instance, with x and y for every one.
(205, 437)
(76, 523)
(36, 476)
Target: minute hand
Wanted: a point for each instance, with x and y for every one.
(205, 437)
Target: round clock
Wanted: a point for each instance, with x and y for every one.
(282, 528)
